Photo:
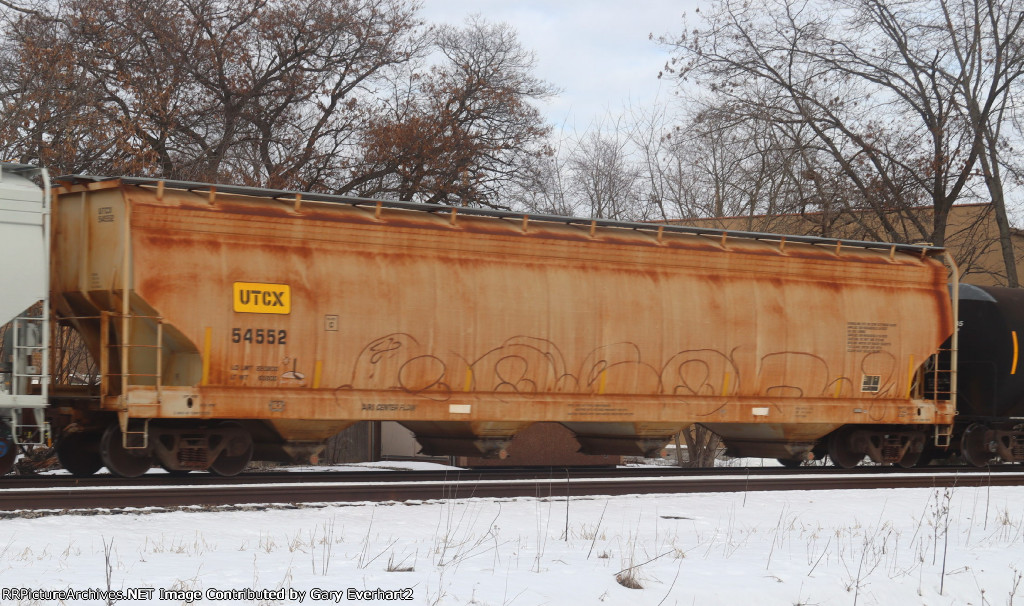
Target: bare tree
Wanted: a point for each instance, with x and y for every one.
(728, 167)
(49, 118)
(256, 93)
(605, 177)
(310, 95)
(702, 446)
(984, 36)
(73, 364)
(321, 95)
(25, 7)
(544, 188)
(664, 178)
(465, 129)
(722, 163)
(867, 79)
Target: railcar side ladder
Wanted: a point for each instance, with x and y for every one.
(133, 434)
(29, 368)
(944, 433)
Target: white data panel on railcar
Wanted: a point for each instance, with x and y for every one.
(23, 279)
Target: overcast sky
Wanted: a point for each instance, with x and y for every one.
(598, 52)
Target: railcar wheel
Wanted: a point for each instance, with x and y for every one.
(974, 446)
(79, 453)
(119, 460)
(842, 451)
(790, 463)
(237, 452)
(8, 452)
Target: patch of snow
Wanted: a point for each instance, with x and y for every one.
(872, 547)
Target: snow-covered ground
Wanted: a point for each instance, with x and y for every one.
(899, 547)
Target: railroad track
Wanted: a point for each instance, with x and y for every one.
(206, 491)
(157, 477)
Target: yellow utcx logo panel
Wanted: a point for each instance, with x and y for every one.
(258, 298)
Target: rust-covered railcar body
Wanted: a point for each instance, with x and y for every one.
(272, 320)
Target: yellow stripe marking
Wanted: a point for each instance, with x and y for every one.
(469, 379)
(604, 381)
(839, 388)
(206, 354)
(1013, 369)
(910, 375)
(318, 369)
(725, 384)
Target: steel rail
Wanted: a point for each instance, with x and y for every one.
(211, 495)
(492, 473)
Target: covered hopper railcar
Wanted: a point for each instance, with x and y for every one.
(236, 323)
(24, 308)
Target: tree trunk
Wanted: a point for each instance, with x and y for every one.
(994, 182)
(701, 446)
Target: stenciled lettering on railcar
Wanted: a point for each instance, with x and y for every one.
(387, 407)
(867, 337)
(596, 409)
(260, 298)
(259, 336)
